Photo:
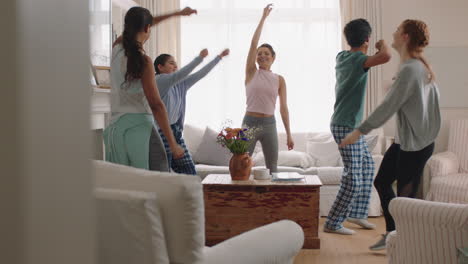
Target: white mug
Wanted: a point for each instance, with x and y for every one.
(261, 174)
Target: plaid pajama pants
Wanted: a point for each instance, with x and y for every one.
(353, 197)
(185, 164)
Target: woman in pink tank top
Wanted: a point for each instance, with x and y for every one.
(262, 89)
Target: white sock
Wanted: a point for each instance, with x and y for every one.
(361, 222)
(341, 231)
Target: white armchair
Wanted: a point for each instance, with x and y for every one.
(447, 172)
(154, 217)
(426, 232)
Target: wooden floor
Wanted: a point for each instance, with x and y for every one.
(337, 249)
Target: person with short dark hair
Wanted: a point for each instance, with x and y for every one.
(352, 66)
(414, 98)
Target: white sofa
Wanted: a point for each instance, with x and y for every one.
(427, 232)
(152, 217)
(313, 154)
(446, 177)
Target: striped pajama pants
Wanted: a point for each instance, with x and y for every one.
(353, 197)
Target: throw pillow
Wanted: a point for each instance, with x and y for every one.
(371, 141)
(325, 153)
(210, 152)
(193, 136)
(289, 158)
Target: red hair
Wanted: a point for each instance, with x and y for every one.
(418, 34)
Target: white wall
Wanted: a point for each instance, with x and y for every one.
(47, 208)
(447, 21)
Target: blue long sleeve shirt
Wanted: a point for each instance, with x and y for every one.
(173, 88)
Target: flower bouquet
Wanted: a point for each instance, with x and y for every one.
(238, 141)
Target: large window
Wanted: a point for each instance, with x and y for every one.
(306, 35)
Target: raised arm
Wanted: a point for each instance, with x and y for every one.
(167, 80)
(158, 108)
(284, 111)
(184, 12)
(251, 67)
(402, 89)
(195, 77)
(382, 56)
(158, 19)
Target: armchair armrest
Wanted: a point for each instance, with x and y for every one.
(391, 247)
(442, 164)
(427, 214)
(427, 232)
(278, 242)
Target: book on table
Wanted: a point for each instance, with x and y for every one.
(287, 176)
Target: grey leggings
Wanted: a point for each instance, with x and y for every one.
(157, 153)
(268, 137)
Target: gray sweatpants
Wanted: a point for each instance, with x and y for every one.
(268, 137)
(157, 153)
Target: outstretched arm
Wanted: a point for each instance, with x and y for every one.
(158, 19)
(184, 12)
(402, 89)
(250, 67)
(284, 111)
(195, 77)
(166, 81)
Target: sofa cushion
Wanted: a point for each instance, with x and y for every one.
(193, 136)
(290, 158)
(372, 141)
(300, 139)
(330, 175)
(210, 152)
(180, 198)
(203, 170)
(129, 228)
(326, 153)
(310, 171)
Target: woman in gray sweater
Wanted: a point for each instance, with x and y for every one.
(414, 97)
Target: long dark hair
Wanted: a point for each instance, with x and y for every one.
(136, 19)
(418, 33)
(161, 60)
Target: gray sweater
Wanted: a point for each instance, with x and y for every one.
(416, 102)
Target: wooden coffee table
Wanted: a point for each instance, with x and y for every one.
(233, 207)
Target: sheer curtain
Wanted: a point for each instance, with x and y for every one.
(165, 36)
(306, 35)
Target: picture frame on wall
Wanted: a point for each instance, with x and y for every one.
(92, 75)
(102, 75)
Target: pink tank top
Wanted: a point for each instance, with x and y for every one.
(262, 92)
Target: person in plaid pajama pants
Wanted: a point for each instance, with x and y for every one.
(173, 85)
(182, 165)
(356, 183)
(352, 66)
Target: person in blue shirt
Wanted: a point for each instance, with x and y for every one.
(173, 86)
